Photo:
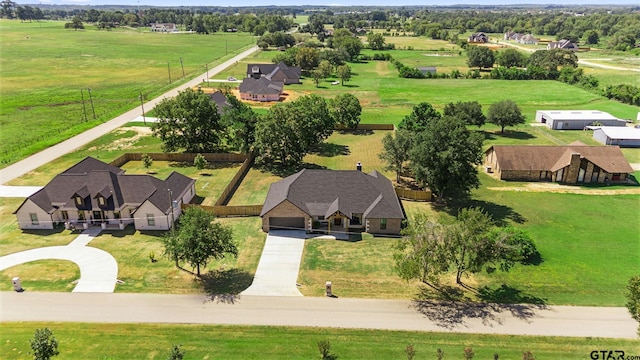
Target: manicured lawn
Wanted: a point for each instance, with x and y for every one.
(116, 65)
(142, 341)
(254, 188)
(44, 275)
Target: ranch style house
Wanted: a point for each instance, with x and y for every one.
(94, 193)
(333, 200)
(571, 164)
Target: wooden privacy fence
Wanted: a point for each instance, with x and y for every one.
(367, 127)
(418, 195)
(224, 210)
(235, 182)
(179, 157)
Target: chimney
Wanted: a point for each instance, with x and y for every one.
(359, 166)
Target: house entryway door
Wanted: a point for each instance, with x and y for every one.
(581, 175)
(97, 216)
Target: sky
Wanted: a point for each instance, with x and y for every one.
(323, 2)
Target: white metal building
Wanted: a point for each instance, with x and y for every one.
(576, 119)
(621, 136)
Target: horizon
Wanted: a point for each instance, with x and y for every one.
(382, 3)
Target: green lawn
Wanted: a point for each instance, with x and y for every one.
(142, 341)
(116, 65)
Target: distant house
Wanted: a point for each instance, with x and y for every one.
(93, 193)
(562, 44)
(275, 72)
(220, 100)
(330, 200)
(576, 119)
(528, 39)
(574, 163)
(478, 38)
(618, 135)
(520, 38)
(261, 89)
(164, 27)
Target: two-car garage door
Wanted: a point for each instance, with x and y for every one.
(289, 223)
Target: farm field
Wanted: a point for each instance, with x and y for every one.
(125, 341)
(44, 91)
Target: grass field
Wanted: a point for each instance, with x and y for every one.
(140, 341)
(44, 91)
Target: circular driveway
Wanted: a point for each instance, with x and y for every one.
(98, 269)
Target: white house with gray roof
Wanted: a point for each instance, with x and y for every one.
(94, 193)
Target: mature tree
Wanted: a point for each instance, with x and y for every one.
(469, 111)
(239, 120)
(445, 157)
(325, 68)
(199, 162)
(201, 238)
(344, 73)
(505, 113)
(344, 39)
(470, 244)
(316, 75)
(511, 58)
(346, 110)
(422, 252)
(335, 57)
(176, 353)
(480, 56)
(376, 41)
(395, 151)
(190, 121)
(44, 345)
(76, 23)
(420, 116)
(290, 130)
(307, 58)
(591, 37)
(147, 161)
(551, 60)
(633, 298)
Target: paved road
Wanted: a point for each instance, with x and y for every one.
(34, 161)
(316, 312)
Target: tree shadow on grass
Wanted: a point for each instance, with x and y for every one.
(356, 132)
(351, 85)
(499, 213)
(515, 134)
(450, 309)
(211, 165)
(224, 286)
(330, 150)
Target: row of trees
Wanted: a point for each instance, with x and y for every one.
(283, 136)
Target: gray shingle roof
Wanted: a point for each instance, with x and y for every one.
(325, 192)
(107, 181)
(220, 100)
(268, 70)
(260, 86)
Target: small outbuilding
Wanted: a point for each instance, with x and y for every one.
(616, 135)
(576, 119)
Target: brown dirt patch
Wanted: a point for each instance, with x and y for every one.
(566, 189)
(127, 142)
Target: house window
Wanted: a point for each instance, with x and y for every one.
(34, 218)
(65, 215)
(383, 224)
(81, 215)
(101, 200)
(151, 220)
(356, 219)
(79, 201)
(320, 217)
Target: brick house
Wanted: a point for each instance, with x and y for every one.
(333, 200)
(275, 72)
(261, 89)
(571, 164)
(94, 193)
(480, 38)
(164, 27)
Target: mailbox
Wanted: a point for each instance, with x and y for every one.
(16, 284)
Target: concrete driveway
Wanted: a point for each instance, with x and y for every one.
(18, 191)
(98, 269)
(279, 264)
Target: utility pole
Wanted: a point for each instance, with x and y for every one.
(144, 119)
(93, 110)
(173, 218)
(182, 65)
(169, 69)
(226, 47)
(84, 109)
(207, 66)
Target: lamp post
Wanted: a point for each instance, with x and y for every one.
(93, 110)
(144, 119)
(173, 218)
(84, 109)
